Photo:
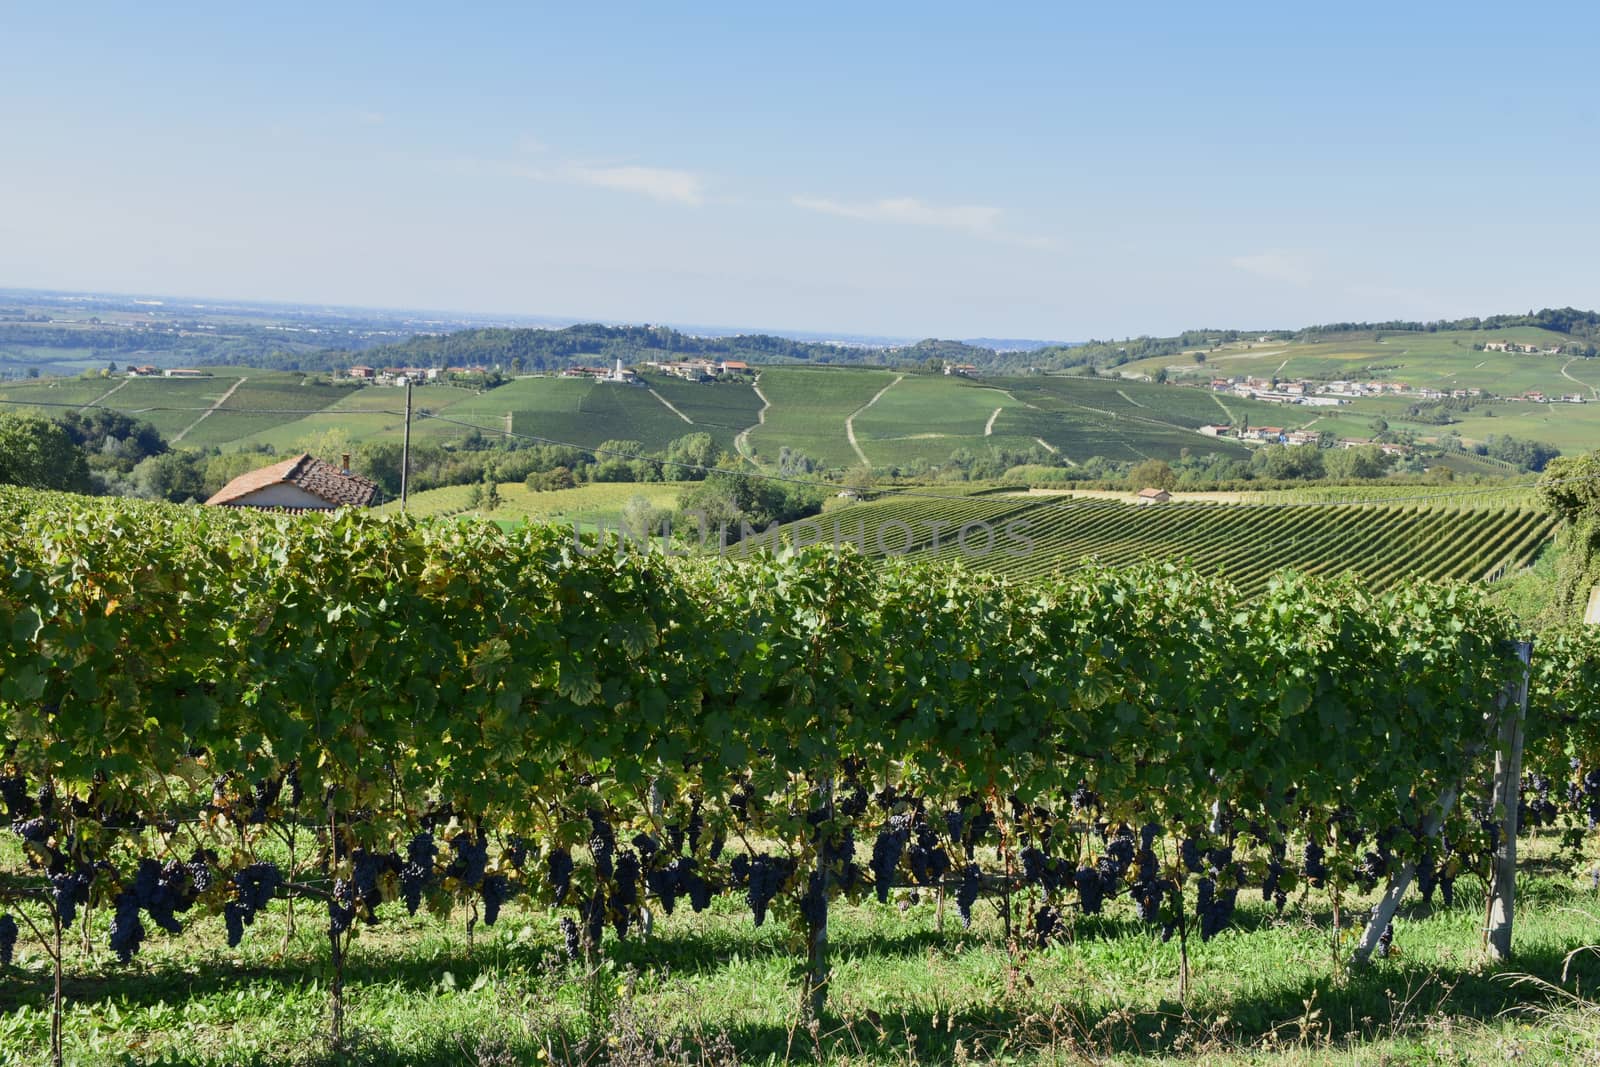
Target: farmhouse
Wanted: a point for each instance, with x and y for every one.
(1215, 430)
(303, 483)
(363, 372)
(1150, 495)
(144, 370)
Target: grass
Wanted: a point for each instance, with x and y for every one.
(809, 409)
(369, 413)
(1443, 360)
(599, 504)
(905, 991)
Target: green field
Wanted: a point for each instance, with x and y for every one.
(809, 409)
(599, 504)
(927, 417)
(900, 419)
(1442, 360)
(1024, 535)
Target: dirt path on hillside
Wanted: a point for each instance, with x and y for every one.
(1593, 393)
(103, 397)
(1053, 450)
(1123, 393)
(668, 405)
(221, 400)
(741, 442)
(850, 422)
(988, 427)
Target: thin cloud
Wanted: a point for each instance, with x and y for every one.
(977, 220)
(658, 183)
(1275, 266)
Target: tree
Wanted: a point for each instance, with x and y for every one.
(689, 457)
(1365, 461)
(114, 434)
(1289, 462)
(380, 461)
(1529, 455)
(556, 478)
(726, 499)
(39, 453)
(1571, 488)
(641, 519)
(328, 444)
(1152, 474)
(176, 476)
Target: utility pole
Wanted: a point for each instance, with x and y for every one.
(405, 450)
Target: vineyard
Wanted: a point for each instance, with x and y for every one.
(209, 719)
(1028, 536)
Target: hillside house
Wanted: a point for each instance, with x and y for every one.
(1216, 430)
(301, 483)
(144, 370)
(735, 366)
(1151, 495)
(363, 372)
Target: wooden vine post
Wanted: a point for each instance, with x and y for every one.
(1513, 709)
(1507, 799)
(1383, 912)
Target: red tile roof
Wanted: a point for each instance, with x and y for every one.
(321, 479)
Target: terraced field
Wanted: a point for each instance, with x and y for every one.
(1024, 536)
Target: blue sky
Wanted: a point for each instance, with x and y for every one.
(1055, 171)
